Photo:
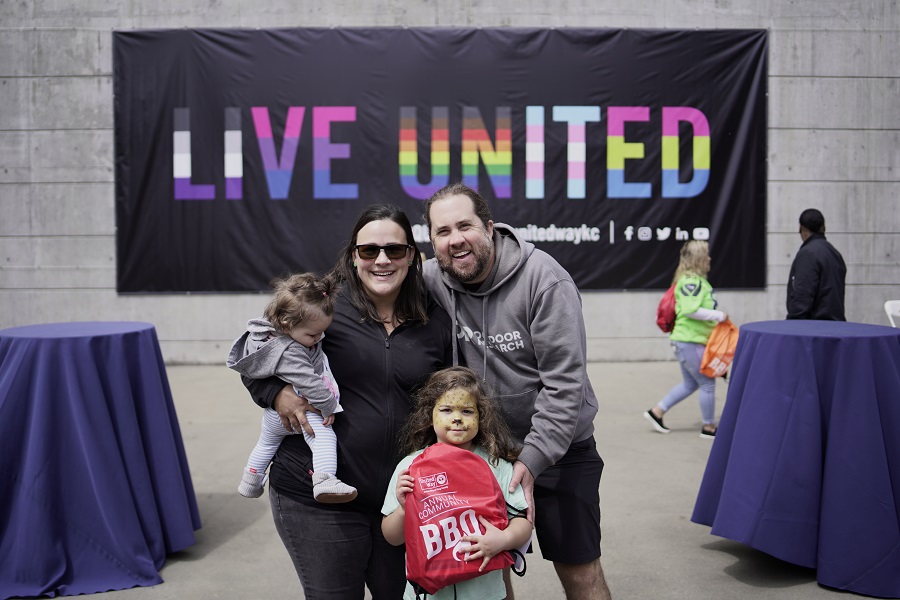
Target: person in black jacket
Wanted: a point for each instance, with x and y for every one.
(387, 336)
(815, 288)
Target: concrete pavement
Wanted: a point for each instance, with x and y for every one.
(650, 547)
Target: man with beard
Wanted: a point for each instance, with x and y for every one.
(518, 322)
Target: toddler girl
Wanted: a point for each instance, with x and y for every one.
(286, 342)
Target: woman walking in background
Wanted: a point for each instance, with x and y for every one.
(696, 315)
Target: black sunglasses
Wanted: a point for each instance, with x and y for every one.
(392, 251)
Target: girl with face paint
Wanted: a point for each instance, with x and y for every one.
(453, 407)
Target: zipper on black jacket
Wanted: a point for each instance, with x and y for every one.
(388, 376)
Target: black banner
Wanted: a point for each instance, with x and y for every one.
(246, 154)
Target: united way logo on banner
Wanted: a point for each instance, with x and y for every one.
(246, 154)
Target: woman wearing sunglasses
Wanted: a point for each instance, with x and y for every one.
(387, 336)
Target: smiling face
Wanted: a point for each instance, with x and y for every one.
(462, 246)
(309, 331)
(381, 277)
(455, 418)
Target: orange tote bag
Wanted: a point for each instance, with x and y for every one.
(719, 349)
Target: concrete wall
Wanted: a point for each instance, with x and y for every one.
(834, 128)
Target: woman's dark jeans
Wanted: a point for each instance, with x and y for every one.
(338, 553)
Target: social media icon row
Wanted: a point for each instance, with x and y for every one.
(645, 234)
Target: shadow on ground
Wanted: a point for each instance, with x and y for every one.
(761, 570)
(224, 517)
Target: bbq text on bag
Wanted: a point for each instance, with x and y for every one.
(452, 488)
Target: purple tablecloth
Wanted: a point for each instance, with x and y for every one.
(806, 462)
(94, 483)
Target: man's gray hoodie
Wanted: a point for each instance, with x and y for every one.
(523, 330)
(263, 352)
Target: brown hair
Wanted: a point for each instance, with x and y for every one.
(296, 295)
(479, 204)
(410, 305)
(493, 434)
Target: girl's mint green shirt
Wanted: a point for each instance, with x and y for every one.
(692, 292)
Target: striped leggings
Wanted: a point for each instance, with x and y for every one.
(323, 444)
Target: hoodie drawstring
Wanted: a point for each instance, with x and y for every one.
(455, 334)
(454, 327)
(484, 333)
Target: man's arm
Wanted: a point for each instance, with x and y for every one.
(803, 286)
(560, 347)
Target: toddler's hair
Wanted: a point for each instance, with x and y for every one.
(295, 296)
(493, 434)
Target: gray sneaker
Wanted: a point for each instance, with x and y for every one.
(252, 483)
(329, 489)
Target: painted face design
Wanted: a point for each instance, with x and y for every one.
(455, 418)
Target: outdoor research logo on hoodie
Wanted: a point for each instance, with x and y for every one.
(502, 342)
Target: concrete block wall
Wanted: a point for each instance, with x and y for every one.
(834, 128)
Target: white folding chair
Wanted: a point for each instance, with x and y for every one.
(892, 308)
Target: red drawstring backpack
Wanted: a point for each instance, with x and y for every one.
(452, 487)
(665, 312)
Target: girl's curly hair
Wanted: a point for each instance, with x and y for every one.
(298, 294)
(493, 434)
